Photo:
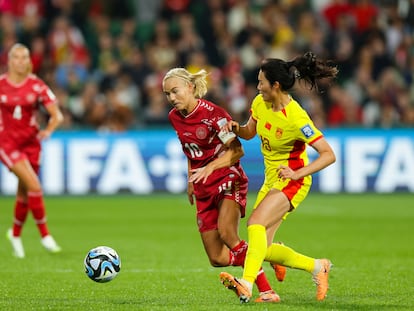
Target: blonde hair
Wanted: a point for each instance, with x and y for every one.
(21, 46)
(198, 79)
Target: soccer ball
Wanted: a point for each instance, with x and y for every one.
(102, 264)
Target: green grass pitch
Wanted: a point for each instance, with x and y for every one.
(368, 237)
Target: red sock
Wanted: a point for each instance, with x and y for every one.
(262, 282)
(20, 214)
(239, 253)
(37, 206)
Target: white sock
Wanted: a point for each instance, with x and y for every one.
(318, 267)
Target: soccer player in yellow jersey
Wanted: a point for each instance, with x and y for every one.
(284, 129)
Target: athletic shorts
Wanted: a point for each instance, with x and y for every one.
(295, 190)
(222, 184)
(11, 153)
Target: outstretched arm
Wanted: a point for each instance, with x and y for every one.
(246, 131)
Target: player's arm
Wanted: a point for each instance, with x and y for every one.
(326, 158)
(55, 119)
(233, 154)
(246, 131)
(190, 185)
(234, 151)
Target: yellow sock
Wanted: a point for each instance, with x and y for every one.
(255, 252)
(283, 255)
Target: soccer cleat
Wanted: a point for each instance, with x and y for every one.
(50, 244)
(280, 271)
(237, 285)
(268, 296)
(17, 245)
(321, 279)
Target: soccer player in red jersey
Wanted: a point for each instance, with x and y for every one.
(21, 94)
(215, 177)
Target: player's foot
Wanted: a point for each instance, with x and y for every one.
(280, 271)
(268, 296)
(50, 244)
(239, 286)
(16, 243)
(321, 278)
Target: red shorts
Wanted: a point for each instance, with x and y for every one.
(223, 184)
(11, 152)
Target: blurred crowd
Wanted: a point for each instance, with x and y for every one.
(105, 59)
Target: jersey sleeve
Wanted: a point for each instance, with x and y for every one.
(46, 96)
(253, 108)
(308, 132)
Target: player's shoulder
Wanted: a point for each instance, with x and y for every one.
(172, 113)
(34, 78)
(3, 79)
(258, 99)
(296, 108)
(205, 104)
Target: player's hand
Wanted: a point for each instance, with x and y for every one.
(199, 174)
(190, 192)
(43, 134)
(285, 172)
(232, 126)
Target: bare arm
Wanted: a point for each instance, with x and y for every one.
(55, 119)
(326, 158)
(190, 185)
(246, 131)
(233, 153)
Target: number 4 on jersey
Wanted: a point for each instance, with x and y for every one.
(17, 113)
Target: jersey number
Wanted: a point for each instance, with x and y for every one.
(194, 150)
(17, 112)
(265, 143)
(225, 186)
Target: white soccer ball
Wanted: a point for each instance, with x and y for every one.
(102, 264)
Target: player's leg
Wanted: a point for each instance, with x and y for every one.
(217, 252)
(27, 175)
(20, 215)
(319, 268)
(265, 215)
(20, 209)
(228, 228)
(286, 256)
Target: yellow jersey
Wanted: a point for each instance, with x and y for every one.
(284, 135)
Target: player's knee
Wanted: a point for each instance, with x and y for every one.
(228, 236)
(218, 260)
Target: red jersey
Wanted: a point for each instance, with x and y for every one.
(199, 132)
(203, 141)
(19, 104)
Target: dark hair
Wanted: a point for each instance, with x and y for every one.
(308, 68)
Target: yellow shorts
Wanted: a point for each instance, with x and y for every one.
(295, 190)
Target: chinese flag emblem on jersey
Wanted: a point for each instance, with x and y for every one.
(279, 132)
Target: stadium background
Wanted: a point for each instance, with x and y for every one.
(105, 61)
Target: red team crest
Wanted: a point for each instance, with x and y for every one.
(279, 133)
(201, 132)
(31, 98)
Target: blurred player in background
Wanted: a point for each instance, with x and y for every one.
(284, 129)
(215, 177)
(21, 94)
